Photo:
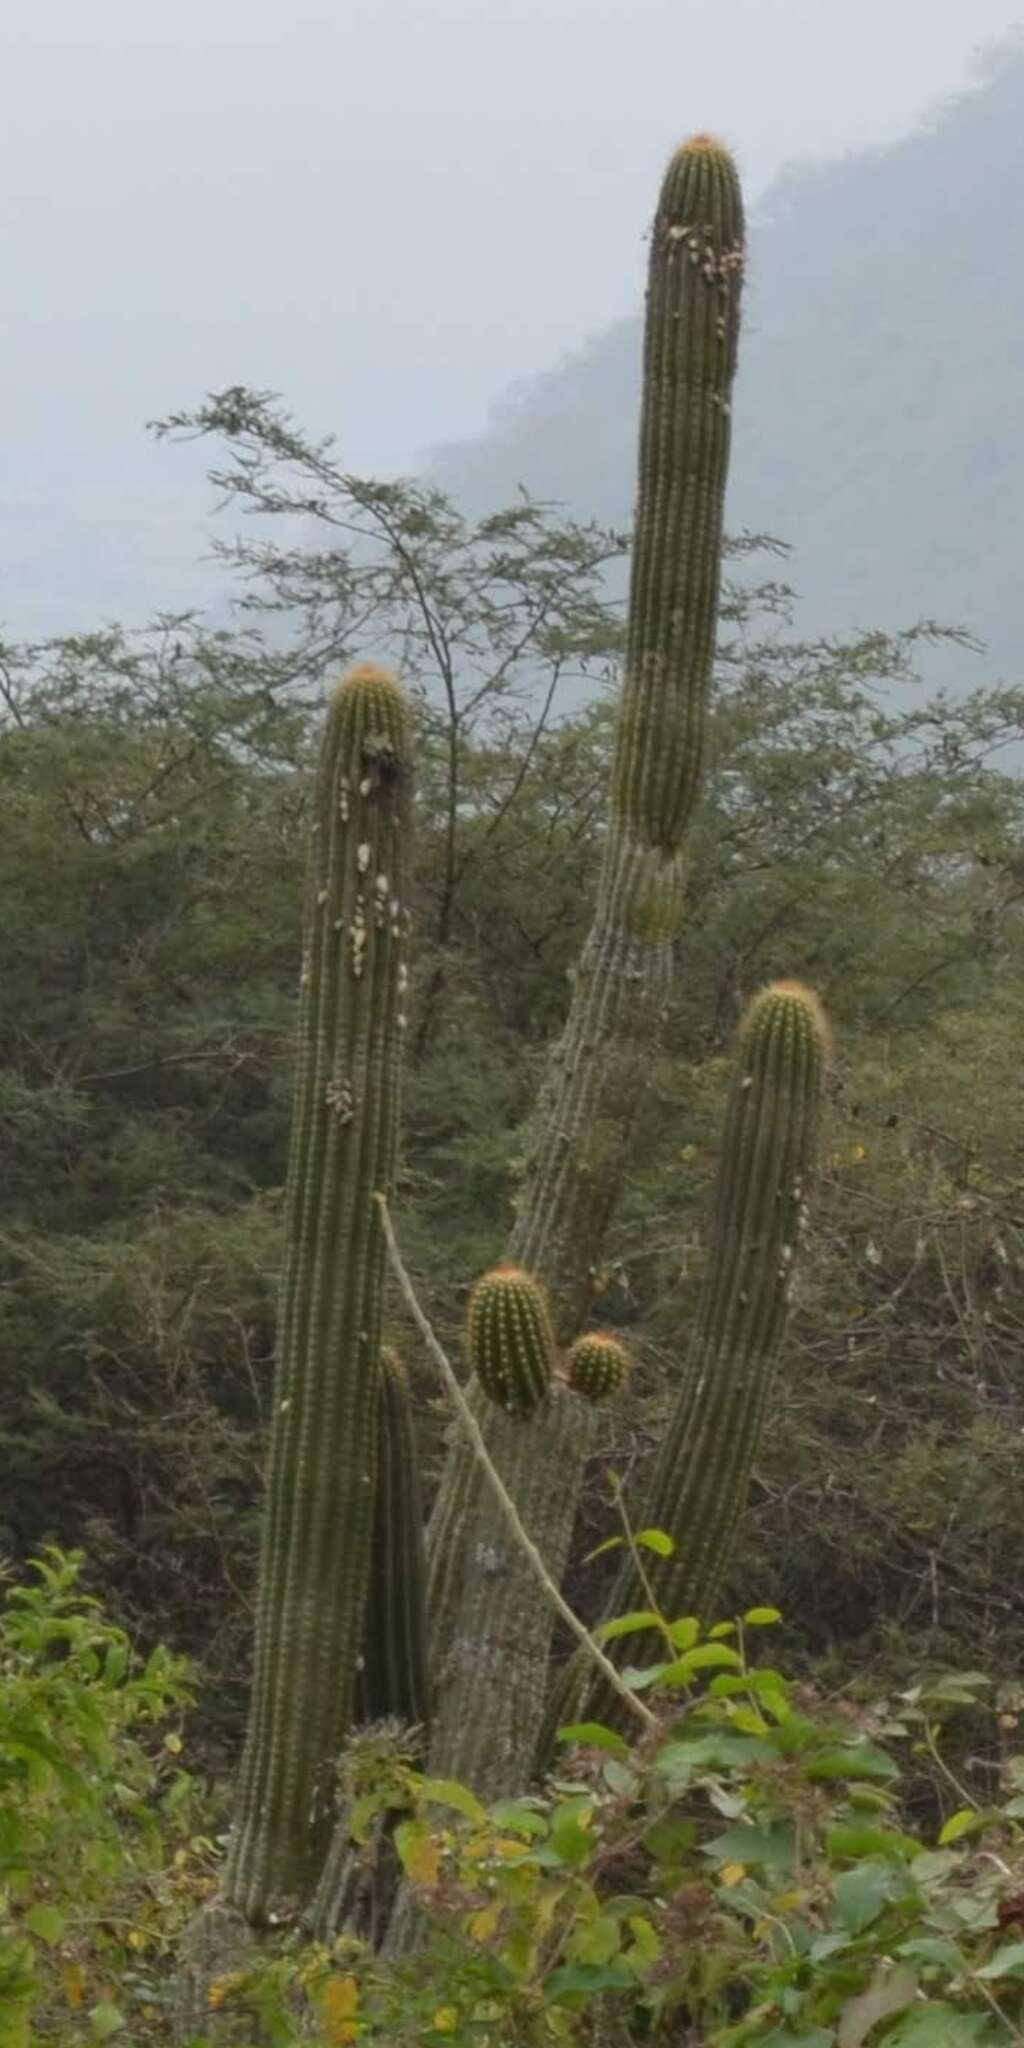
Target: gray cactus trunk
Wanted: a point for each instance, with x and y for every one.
(491, 1635)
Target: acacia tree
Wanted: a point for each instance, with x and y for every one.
(493, 623)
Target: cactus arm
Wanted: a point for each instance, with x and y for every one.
(317, 1520)
(491, 1638)
(702, 1472)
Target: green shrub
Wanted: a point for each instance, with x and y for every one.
(94, 1812)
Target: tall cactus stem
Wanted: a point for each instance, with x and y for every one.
(320, 1494)
(491, 1654)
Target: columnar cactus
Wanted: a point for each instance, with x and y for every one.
(392, 1695)
(344, 1137)
(597, 1366)
(491, 1656)
(700, 1479)
(510, 1340)
(392, 1681)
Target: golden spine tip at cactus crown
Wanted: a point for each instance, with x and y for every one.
(792, 997)
(373, 685)
(703, 144)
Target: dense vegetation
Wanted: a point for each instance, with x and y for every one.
(856, 831)
(154, 793)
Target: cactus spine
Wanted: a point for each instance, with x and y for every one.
(510, 1340)
(319, 1509)
(700, 1479)
(597, 1366)
(491, 1656)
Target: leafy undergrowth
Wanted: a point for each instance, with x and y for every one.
(99, 1860)
(759, 1867)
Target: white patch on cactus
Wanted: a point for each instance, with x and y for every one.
(338, 1097)
(363, 857)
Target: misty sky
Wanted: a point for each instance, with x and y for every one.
(389, 210)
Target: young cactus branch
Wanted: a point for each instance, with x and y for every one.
(392, 1680)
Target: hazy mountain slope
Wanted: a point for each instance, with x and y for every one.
(879, 419)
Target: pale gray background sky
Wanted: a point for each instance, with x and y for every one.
(389, 210)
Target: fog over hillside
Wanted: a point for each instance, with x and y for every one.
(879, 415)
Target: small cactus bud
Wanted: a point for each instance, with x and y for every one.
(598, 1365)
(511, 1343)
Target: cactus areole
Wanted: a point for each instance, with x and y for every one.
(320, 1495)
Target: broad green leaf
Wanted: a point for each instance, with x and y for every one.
(639, 1676)
(669, 1840)
(420, 1854)
(859, 1838)
(936, 1949)
(586, 1980)
(594, 1735)
(705, 1657)
(861, 1894)
(747, 1844)
(47, 1922)
(449, 1792)
(761, 1617)
(1007, 1962)
(627, 1624)
(598, 1941)
(966, 1821)
(892, 1989)
(617, 1776)
(571, 1835)
(685, 1632)
(721, 1628)
(938, 2025)
(104, 2020)
(646, 1948)
(861, 1760)
(720, 1748)
(934, 1864)
(519, 1816)
(656, 1540)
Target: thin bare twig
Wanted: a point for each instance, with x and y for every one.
(504, 1499)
